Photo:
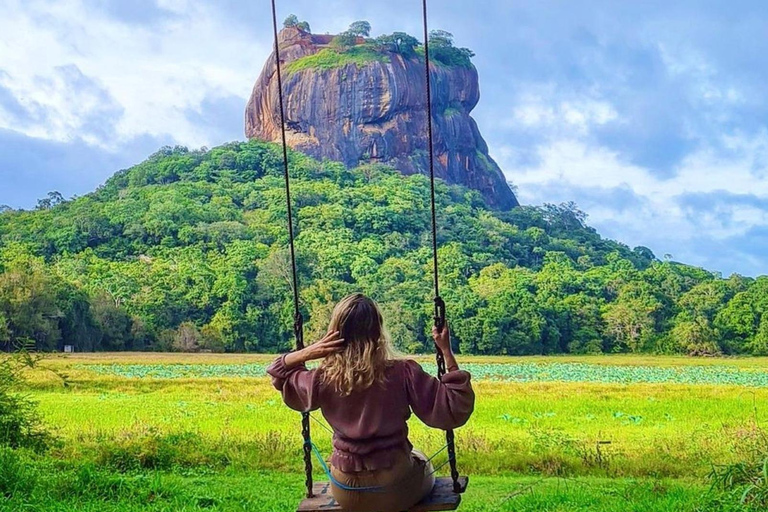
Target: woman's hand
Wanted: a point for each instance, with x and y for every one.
(330, 344)
(442, 339)
(443, 343)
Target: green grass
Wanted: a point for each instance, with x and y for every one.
(329, 58)
(559, 433)
(28, 482)
(89, 489)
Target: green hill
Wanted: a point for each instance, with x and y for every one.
(187, 251)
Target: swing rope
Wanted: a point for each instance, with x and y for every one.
(298, 319)
(439, 302)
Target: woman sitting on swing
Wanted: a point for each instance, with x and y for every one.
(366, 395)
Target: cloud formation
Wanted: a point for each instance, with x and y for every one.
(650, 116)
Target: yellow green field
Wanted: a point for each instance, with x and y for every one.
(228, 443)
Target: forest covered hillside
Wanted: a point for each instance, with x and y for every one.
(187, 251)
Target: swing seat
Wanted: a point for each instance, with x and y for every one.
(441, 498)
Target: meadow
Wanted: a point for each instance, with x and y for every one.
(193, 432)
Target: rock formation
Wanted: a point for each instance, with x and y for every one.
(377, 112)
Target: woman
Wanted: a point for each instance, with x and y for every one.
(366, 395)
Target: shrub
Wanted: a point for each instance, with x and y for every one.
(157, 451)
(16, 477)
(329, 58)
(21, 425)
(187, 338)
(747, 479)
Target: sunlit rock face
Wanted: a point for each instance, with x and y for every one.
(376, 112)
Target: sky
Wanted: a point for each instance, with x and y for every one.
(651, 116)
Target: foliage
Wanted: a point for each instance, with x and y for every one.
(356, 33)
(329, 58)
(353, 46)
(21, 425)
(360, 28)
(398, 42)
(54, 198)
(746, 479)
(187, 250)
(293, 21)
(442, 50)
(344, 42)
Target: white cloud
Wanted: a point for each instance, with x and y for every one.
(571, 169)
(544, 110)
(153, 72)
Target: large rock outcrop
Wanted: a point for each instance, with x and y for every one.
(377, 112)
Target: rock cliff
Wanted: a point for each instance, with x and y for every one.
(376, 111)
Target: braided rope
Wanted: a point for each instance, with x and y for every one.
(298, 320)
(439, 303)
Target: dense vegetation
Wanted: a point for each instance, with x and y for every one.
(187, 251)
(328, 58)
(21, 425)
(355, 46)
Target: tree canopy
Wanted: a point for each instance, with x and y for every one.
(293, 21)
(187, 251)
(356, 39)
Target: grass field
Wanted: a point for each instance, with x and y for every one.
(207, 432)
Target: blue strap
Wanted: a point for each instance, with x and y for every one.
(379, 488)
(438, 452)
(336, 482)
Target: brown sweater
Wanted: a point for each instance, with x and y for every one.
(370, 426)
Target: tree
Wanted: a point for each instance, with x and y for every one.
(5, 331)
(398, 42)
(742, 319)
(187, 338)
(441, 49)
(631, 320)
(695, 338)
(212, 339)
(113, 322)
(28, 300)
(508, 318)
(345, 40)
(440, 38)
(304, 26)
(360, 28)
(52, 199)
(759, 344)
(644, 253)
(291, 21)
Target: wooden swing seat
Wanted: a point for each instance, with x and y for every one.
(442, 498)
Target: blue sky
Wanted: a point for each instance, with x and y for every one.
(651, 117)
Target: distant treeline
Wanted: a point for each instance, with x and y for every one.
(187, 251)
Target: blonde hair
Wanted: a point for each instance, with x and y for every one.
(367, 351)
